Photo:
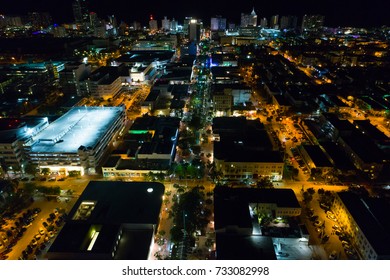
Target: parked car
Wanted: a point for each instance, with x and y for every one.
(333, 255)
(34, 242)
(313, 218)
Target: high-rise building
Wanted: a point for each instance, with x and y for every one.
(112, 21)
(274, 22)
(77, 13)
(112, 26)
(218, 23)
(288, 22)
(264, 23)
(253, 18)
(194, 30)
(153, 25)
(40, 20)
(249, 19)
(93, 21)
(136, 25)
(312, 22)
(3, 21)
(186, 24)
(165, 24)
(173, 25)
(10, 21)
(80, 11)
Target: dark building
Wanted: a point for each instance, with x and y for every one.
(39, 21)
(312, 22)
(366, 220)
(243, 150)
(111, 221)
(237, 230)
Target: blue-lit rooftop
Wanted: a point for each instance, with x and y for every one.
(81, 126)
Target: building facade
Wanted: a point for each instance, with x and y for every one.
(77, 141)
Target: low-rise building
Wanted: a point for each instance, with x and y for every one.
(236, 220)
(111, 221)
(244, 150)
(315, 157)
(156, 139)
(365, 221)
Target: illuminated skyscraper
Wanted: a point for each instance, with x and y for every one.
(253, 18)
(274, 23)
(249, 19)
(186, 24)
(153, 25)
(218, 23)
(166, 24)
(194, 30)
(173, 25)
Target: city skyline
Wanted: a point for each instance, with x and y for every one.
(370, 14)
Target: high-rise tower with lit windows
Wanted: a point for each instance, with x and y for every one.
(249, 19)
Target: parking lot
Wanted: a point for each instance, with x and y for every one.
(30, 233)
(324, 229)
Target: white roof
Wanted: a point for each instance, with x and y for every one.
(81, 126)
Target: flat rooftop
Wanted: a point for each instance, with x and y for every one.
(338, 156)
(81, 126)
(145, 56)
(235, 247)
(317, 156)
(130, 207)
(231, 205)
(367, 127)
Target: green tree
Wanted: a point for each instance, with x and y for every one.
(176, 234)
(264, 183)
(45, 171)
(307, 197)
(196, 123)
(29, 188)
(74, 173)
(190, 213)
(31, 168)
(311, 191)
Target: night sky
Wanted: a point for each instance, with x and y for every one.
(337, 12)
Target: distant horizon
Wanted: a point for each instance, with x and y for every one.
(367, 15)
